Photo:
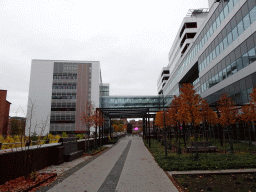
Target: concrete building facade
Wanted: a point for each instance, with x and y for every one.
(221, 58)
(58, 93)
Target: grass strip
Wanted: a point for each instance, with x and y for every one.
(206, 161)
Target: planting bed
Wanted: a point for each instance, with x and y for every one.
(28, 184)
(231, 182)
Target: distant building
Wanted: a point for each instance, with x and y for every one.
(60, 90)
(21, 124)
(4, 113)
(139, 124)
(104, 89)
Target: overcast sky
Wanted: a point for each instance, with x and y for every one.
(131, 39)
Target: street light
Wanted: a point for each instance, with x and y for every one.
(165, 131)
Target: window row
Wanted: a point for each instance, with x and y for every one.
(59, 118)
(214, 22)
(64, 97)
(238, 91)
(67, 113)
(227, 36)
(104, 88)
(62, 127)
(70, 68)
(64, 76)
(63, 104)
(63, 87)
(239, 98)
(104, 93)
(221, 13)
(232, 63)
(196, 81)
(62, 110)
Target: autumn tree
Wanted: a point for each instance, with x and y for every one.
(159, 119)
(88, 118)
(248, 113)
(173, 114)
(118, 125)
(116, 128)
(209, 117)
(17, 127)
(98, 120)
(247, 116)
(189, 110)
(124, 127)
(253, 103)
(228, 115)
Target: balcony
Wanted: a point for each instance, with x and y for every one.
(187, 36)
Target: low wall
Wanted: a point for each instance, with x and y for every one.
(18, 163)
(13, 163)
(82, 144)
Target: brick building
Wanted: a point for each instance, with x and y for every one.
(4, 113)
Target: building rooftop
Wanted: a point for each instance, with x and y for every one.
(193, 12)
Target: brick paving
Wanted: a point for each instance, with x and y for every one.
(127, 166)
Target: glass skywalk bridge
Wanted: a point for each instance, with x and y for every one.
(133, 106)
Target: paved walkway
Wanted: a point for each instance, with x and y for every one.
(128, 166)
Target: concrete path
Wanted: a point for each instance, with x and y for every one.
(128, 166)
(60, 169)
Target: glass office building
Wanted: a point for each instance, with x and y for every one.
(221, 58)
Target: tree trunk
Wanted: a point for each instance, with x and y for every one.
(231, 149)
(221, 134)
(184, 133)
(250, 138)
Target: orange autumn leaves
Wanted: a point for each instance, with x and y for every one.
(91, 116)
(190, 109)
(249, 111)
(119, 128)
(185, 109)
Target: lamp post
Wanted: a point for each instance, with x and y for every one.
(149, 129)
(165, 131)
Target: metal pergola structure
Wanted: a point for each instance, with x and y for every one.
(146, 113)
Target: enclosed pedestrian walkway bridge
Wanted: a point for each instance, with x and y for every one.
(145, 107)
(132, 106)
(154, 103)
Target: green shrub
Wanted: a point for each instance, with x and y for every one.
(64, 134)
(80, 136)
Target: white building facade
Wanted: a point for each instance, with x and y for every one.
(221, 56)
(58, 92)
